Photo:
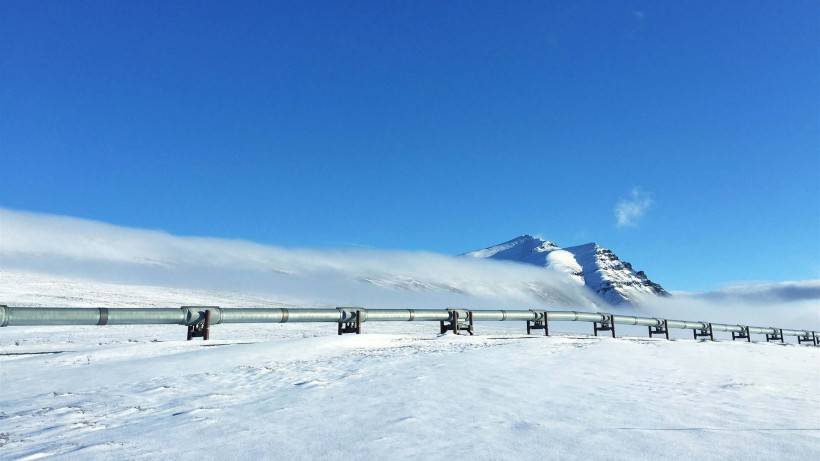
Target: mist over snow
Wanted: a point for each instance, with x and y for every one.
(47, 257)
(78, 248)
(794, 304)
(789, 304)
(765, 292)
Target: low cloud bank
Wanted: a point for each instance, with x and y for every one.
(81, 248)
(765, 292)
(793, 304)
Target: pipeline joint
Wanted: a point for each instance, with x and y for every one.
(103, 316)
(661, 329)
(744, 334)
(606, 324)
(349, 313)
(704, 332)
(539, 322)
(777, 336)
(194, 315)
(460, 320)
(350, 320)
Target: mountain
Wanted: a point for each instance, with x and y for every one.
(590, 264)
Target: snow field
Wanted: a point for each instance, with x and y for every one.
(398, 392)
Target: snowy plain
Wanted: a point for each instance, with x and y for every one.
(297, 392)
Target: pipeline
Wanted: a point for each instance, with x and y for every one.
(198, 319)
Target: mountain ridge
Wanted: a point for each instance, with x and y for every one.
(590, 264)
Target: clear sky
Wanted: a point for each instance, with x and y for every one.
(683, 135)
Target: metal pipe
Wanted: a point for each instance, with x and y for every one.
(192, 315)
(796, 332)
(20, 316)
(506, 315)
(762, 330)
(138, 316)
(571, 316)
(261, 315)
(686, 325)
(643, 321)
(405, 315)
(727, 328)
(315, 315)
(51, 316)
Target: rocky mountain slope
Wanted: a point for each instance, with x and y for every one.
(590, 264)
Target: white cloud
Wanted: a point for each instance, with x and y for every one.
(629, 210)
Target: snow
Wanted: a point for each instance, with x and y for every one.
(564, 261)
(608, 276)
(524, 247)
(399, 391)
(590, 264)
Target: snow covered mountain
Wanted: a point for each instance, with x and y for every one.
(594, 266)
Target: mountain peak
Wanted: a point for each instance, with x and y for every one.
(590, 245)
(589, 264)
(514, 249)
(525, 238)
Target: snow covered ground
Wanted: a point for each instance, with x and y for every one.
(399, 391)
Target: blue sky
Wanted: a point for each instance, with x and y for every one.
(425, 125)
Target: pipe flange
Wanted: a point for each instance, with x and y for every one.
(195, 315)
(453, 311)
(348, 313)
(103, 316)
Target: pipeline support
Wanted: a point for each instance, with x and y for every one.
(607, 323)
(704, 333)
(540, 323)
(201, 329)
(456, 323)
(744, 334)
(353, 325)
(662, 329)
(776, 336)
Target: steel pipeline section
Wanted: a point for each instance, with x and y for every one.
(196, 316)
